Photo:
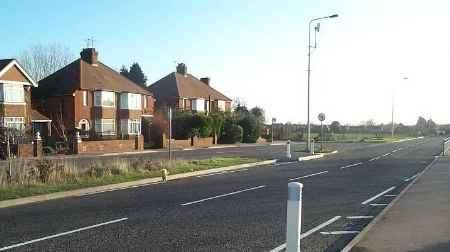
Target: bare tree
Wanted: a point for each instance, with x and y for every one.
(42, 60)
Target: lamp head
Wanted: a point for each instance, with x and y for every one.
(334, 16)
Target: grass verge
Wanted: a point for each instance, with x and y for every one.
(60, 180)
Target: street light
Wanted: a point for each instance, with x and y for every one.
(274, 120)
(309, 68)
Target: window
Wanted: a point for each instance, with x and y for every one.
(130, 101)
(105, 126)
(104, 99)
(221, 105)
(84, 98)
(12, 93)
(198, 105)
(12, 122)
(130, 126)
(145, 101)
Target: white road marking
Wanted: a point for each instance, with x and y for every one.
(390, 195)
(277, 164)
(378, 195)
(359, 217)
(378, 204)
(375, 158)
(387, 154)
(339, 232)
(61, 234)
(307, 176)
(411, 178)
(351, 165)
(394, 151)
(309, 232)
(223, 195)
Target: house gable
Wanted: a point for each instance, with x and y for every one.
(14, 74)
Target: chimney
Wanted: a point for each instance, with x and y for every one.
(205, 80)
(89, 55)
(182, 69)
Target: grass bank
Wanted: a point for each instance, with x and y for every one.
(47, 178)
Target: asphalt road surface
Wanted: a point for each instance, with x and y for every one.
(234, 211)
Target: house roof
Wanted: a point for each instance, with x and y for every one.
(184, 86)
(82, 75)
(38, 117)
(7, 64)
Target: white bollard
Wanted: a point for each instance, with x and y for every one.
(288, 149)
(312, 147)
(294, 217)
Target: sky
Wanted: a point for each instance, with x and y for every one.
(256, 50)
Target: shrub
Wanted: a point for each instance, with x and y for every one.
(232, 134)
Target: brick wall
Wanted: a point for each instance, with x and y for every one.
(203, 142)
(109, 146)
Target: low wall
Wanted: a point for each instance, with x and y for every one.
(33, 149)
(203, 142)
(109, 146)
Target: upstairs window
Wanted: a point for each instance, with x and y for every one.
(130, 101)
(104, 99)
(12, 93)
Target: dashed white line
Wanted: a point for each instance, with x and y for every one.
(339, 232)
(351, 165)
(387, 154)
(390, 195)
(359, 217)
(378, 195)
(373, 159)
(378, 204)
(223, 195)
(61, 234)
(411, 178)
(309, 232)
(307, 176)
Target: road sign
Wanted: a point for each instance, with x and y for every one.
(321, 117)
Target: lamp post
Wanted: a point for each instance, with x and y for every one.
(273, 121)
(316, 29)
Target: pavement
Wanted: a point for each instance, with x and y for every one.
(419, 220)
(242, 210)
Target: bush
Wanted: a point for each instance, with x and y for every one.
(232, 134)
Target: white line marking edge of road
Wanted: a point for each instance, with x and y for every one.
(309, 232)
(378, 195)
(61, 234)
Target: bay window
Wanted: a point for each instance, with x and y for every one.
(12, 122)
(130, 126)
(105, 126)
(12, 93)
(130, 101)
(104, 99)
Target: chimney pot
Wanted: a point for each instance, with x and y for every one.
(182, 69)
(89, 55)
(205, 80)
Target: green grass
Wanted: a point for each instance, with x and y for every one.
(14, 191)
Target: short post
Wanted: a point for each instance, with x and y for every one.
(294, 217)
(288, 149)
(312, 147)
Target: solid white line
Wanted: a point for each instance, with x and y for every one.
(352, 165)
(359, 217)
(390, 195)
(411, 178)
(375, 158)
(378, 204)
(378, 195)
(310, 232)
(61, 234)
(307, 176)
(339, 232)
(223, 195)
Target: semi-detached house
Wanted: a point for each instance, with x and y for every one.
(183, 91)
(92, 98)
(15, 99)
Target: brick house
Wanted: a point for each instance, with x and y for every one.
(185, 92)
(15, 99)
(89, 97)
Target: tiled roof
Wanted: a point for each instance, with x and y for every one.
(82, 75)
(37, 116)
(180, 86)
(4, 63)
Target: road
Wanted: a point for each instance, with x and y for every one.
(238, 211)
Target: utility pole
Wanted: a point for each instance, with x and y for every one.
(170, 134)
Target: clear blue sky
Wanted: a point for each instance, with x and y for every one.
(256, 50)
